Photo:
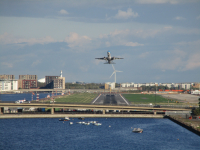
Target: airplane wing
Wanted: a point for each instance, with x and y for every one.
(113, 58)
(104, 58)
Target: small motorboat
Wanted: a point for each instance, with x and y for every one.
(97, 124)
(71, 123)
(83, 122)
(87, 123)
(65, 119)
(81, 118)
(137, 130)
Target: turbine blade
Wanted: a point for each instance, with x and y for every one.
(113, 67)
(112, 74)
(118, 71)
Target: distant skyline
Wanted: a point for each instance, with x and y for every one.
(159, 40)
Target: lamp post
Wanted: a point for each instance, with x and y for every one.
(155, 94)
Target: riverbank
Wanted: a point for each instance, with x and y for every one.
(191, 124)
(11, 116)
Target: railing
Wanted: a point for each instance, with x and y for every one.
(136, 105)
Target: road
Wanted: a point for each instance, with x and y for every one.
(110, 99)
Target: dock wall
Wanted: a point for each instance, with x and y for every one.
(183, 124)
(10, 116)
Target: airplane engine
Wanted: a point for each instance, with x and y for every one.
(113, 58)
(104, 58)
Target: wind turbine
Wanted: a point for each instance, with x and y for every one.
(114, 72)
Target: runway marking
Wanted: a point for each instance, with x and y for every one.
(124, 99)
(96, 98)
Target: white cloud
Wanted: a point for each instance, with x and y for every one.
(35, 63)
(74, 40)
(9, 39)
(137, 33)
(84, 68)
(133, 44)
(144, 55)
(63, 12)
(192, 63)
(198, 17)
(164, 1)
(179, 18)
(180, 60)
(125, 15)
(193, 43)
(7, 65)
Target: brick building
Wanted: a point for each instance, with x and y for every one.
(27, 84)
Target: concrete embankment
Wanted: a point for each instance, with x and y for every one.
(10, 116)
(184, 124)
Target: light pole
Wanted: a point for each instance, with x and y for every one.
(155, 94)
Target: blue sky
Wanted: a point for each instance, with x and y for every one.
(158, 39)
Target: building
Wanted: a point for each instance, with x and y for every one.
(196, 85)
(55, 82)
(7, 77)
(27, 81)
(109, 85)
(42, 80)
(27, 77)
(59, 83)
(27, 84)
(8, 85)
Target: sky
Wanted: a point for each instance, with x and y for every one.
(158, 39)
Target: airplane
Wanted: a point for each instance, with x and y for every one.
(109, 59)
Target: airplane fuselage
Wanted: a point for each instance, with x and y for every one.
(109, 59)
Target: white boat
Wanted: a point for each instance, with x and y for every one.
(93, 122)
(65, 119)
(137, 130)
(71, 123)
(97, 124)
(79, 122)
(87, 123)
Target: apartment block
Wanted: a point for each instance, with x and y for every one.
(8, 85)
(55, 82)
(27, 84)
(27, 77)
(7, 77)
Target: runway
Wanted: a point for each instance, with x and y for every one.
(110, 99)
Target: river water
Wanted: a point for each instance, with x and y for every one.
(23, 134)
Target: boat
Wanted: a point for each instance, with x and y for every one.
(97, 124)
(137, 130)
(83, 122)
(81, 118)
(93, 122)
(65, 119)
(87, 123)
(71, 123)
(79, 122)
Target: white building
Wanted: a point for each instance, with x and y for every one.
(8, 85)
(109, 85)
(42, 80)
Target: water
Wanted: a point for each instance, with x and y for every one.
(23, 134)
(27, 96)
